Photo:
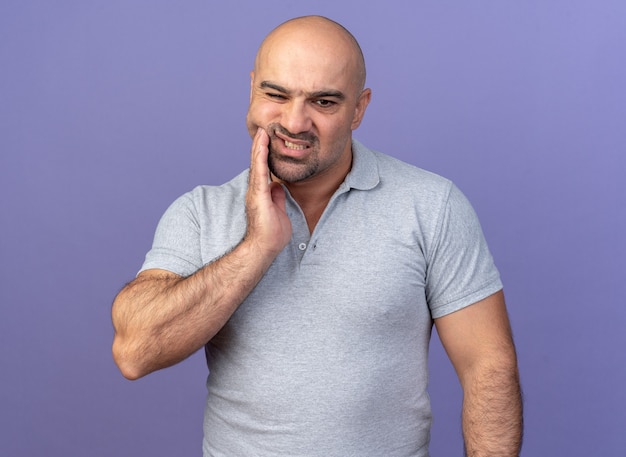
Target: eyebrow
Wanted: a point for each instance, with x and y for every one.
(317, 94)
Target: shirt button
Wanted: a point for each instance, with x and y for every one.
(302, 246)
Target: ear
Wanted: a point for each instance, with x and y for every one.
(361, 106)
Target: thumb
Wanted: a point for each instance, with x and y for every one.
(278, 195)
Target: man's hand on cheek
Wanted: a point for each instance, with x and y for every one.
(269, 227)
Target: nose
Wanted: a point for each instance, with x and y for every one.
(295, 116)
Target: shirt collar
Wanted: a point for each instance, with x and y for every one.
(364, 173)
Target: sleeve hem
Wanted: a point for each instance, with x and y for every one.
(488, 289)
(180, 267)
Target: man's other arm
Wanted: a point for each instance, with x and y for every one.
(479, 342)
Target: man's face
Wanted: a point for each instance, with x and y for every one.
(308, 101)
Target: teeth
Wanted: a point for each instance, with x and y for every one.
(291, 145)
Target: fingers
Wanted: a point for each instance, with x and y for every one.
(259, 171)
(269, 227)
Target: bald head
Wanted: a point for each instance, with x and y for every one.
(316, 34)
(307, 93)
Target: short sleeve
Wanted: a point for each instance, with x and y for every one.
(460, 268)
(176, 245)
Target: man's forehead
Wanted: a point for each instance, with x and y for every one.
(305, 52)
(314, 68)
(310, 56)
(313, 82)
(306, 44)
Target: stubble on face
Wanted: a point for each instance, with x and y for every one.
(292, 169)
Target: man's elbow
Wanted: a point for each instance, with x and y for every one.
(494, 371)
(126, 363)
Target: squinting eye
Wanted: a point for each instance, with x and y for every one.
(276, 96)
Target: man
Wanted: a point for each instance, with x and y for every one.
(313, 279)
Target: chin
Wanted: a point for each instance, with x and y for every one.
(290, 172)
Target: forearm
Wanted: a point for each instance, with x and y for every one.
(492, 412)
(160, 320)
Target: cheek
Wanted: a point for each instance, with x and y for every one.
(333, 130)
(261, 115)
(251, 123)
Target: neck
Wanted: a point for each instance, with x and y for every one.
(313, 194)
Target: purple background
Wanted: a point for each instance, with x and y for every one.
(111, 109)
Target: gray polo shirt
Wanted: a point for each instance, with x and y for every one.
(328, 354)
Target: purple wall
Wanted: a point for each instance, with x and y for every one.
(110, 110)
